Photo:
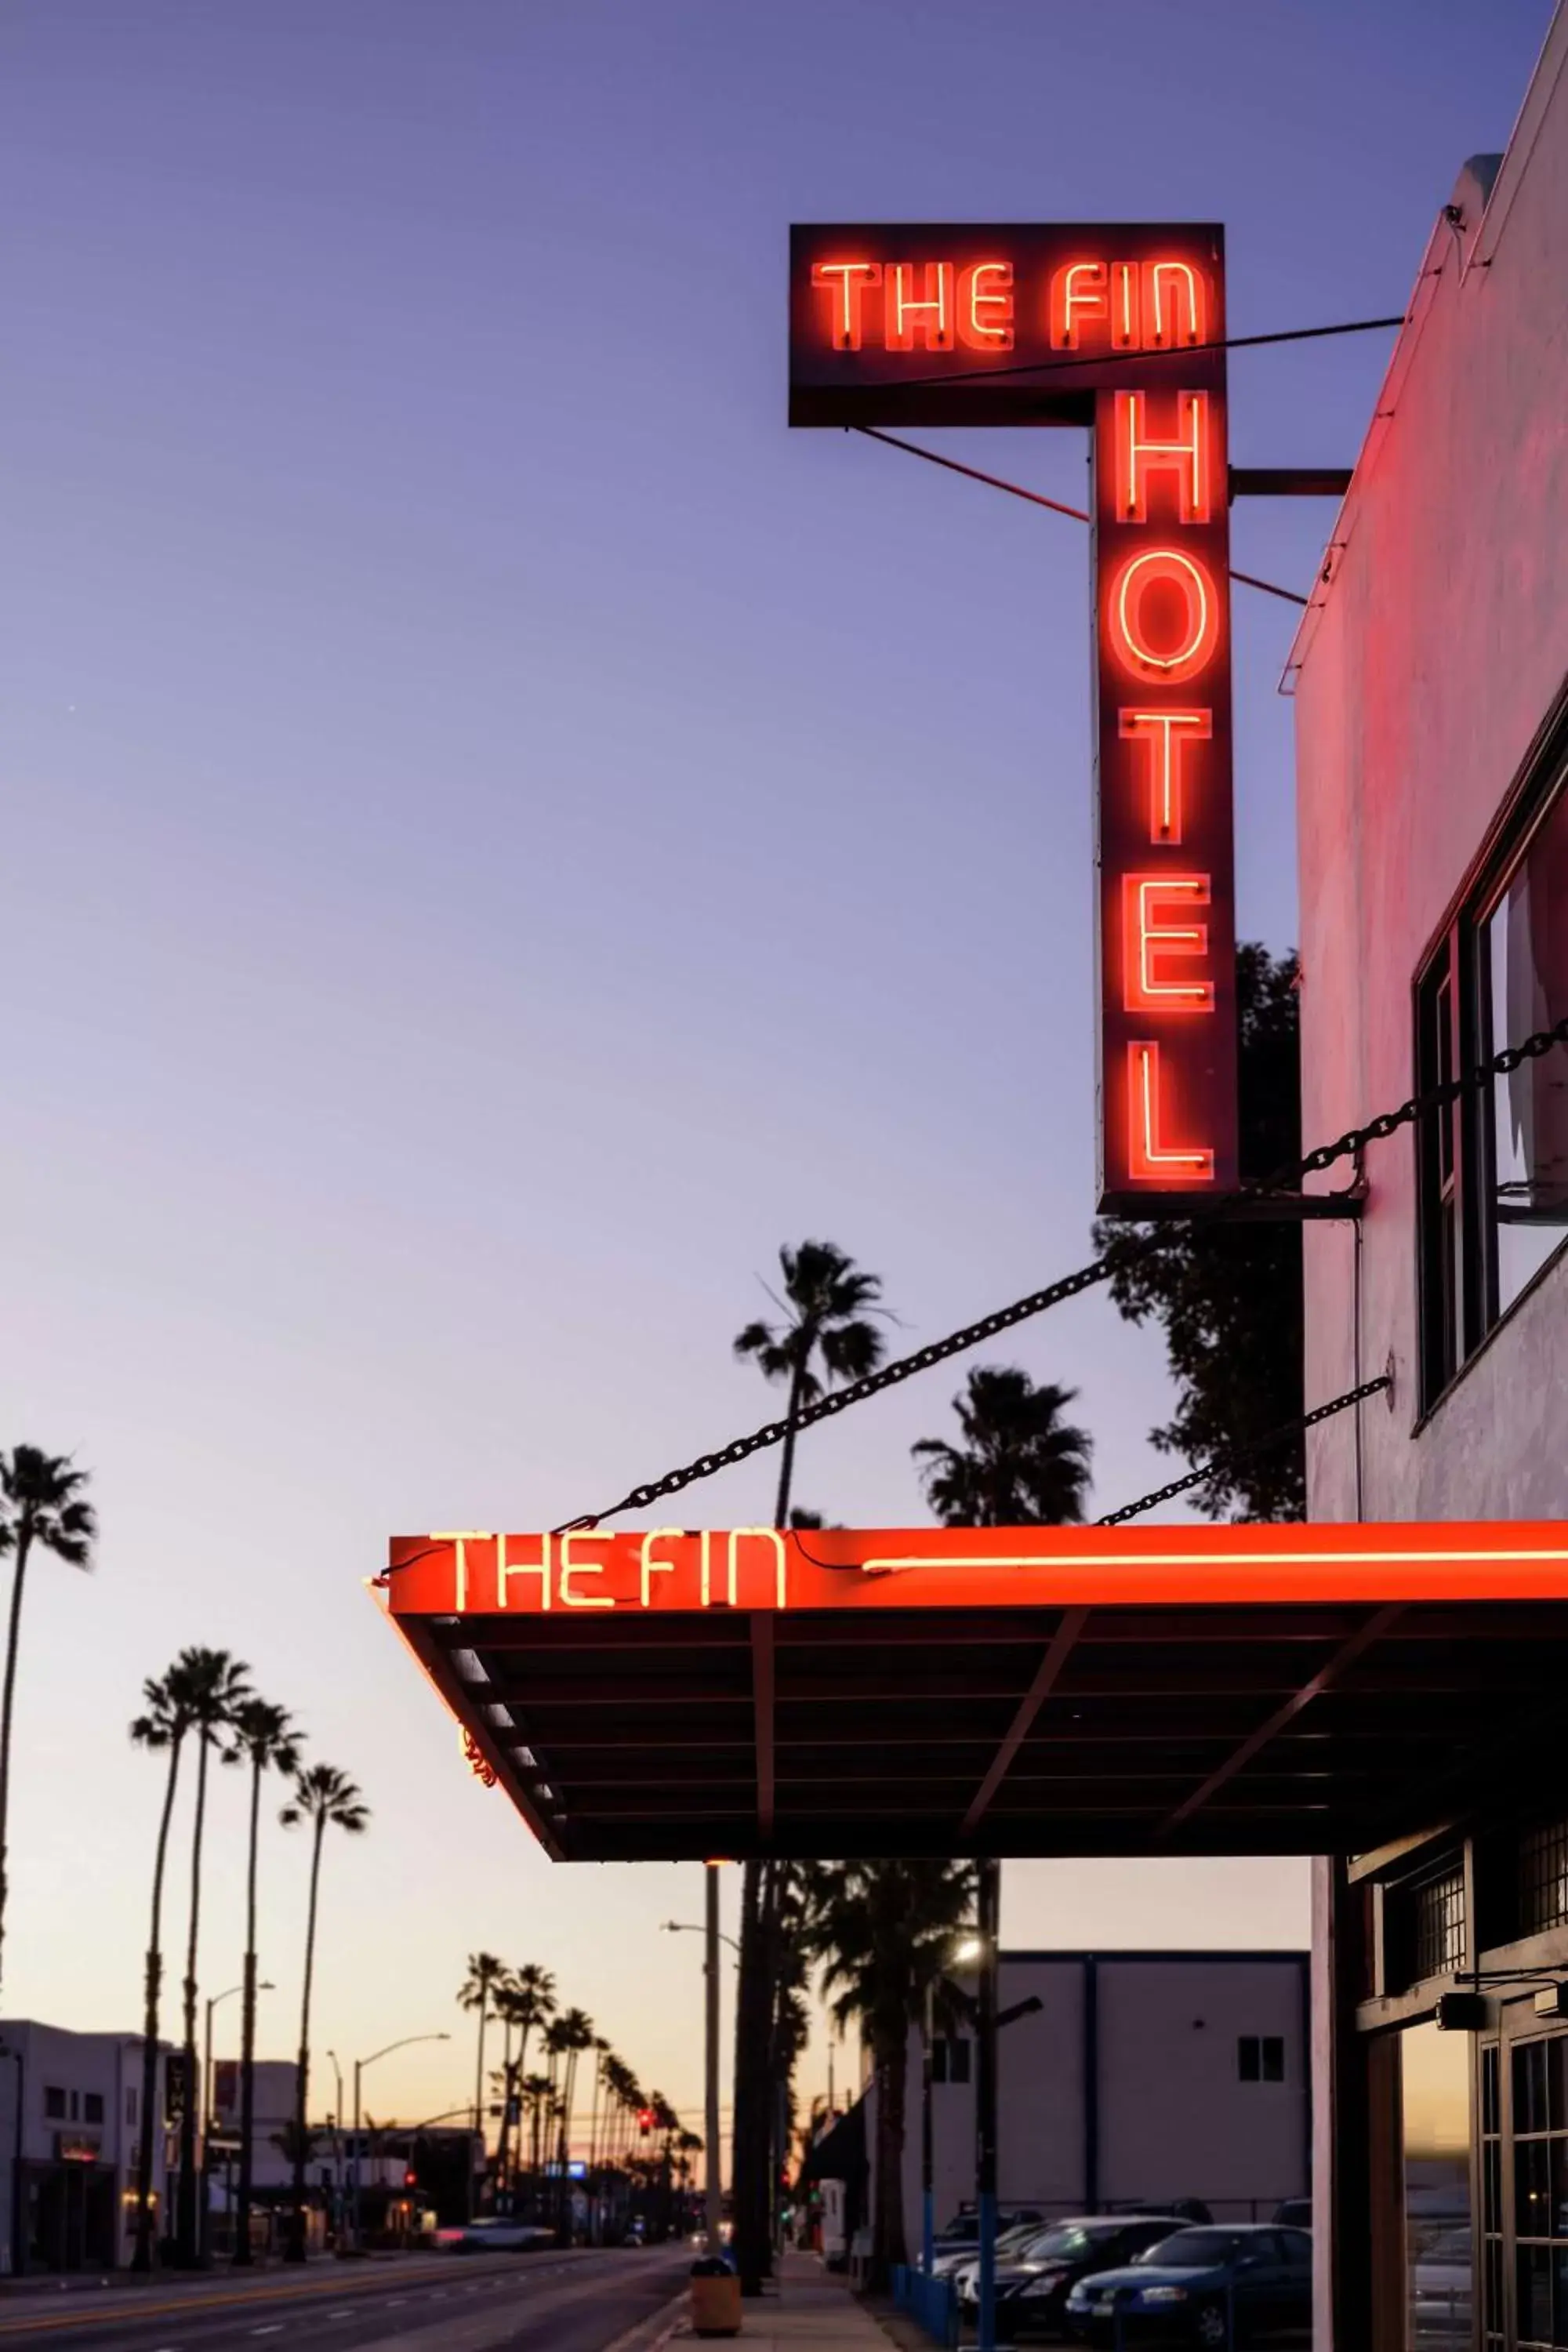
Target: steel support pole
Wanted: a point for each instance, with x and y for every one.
(714, 2184)
(927, 2165)
(989, 1908)
(353, 2160)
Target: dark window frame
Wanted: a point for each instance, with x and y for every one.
(1458, 1278)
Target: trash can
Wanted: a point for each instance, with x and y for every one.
(715, 2298)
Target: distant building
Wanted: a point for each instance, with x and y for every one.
(72, 2104)
(1143, 2076)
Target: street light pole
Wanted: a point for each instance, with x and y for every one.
(989, 1909)
(714, 2183)
(207, 2106)
(360, 2065)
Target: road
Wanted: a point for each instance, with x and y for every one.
(554, 2302)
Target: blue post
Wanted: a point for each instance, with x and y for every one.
(927, 2233)
(989, 1908)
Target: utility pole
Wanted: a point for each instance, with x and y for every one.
(928, 2150)
(990, 1910)
(714, 2184)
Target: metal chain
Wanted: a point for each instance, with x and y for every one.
(1201, 1477)
(1349, 1145)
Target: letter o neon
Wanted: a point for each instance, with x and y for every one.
(1168, 564)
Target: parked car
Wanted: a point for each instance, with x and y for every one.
(1443, 2276)
(1010, 2245)
(1294, 2212)
(959, 2240)
(1032, 2287)
(494, 2234)
(1251, 2283)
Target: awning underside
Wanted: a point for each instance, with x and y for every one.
(1187, 1730)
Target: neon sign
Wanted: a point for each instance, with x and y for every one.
(697, 1571)
(1113, 328)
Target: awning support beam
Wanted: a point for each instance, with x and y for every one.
(1343, 1658)
(1046, 1675)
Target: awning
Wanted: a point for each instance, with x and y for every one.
(677, 1696)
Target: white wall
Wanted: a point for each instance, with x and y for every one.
(1174, 2118)
(1435, 654)
(106, 2064)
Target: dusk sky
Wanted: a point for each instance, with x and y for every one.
(500, 834)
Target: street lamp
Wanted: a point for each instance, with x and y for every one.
(969, 1950)
(691, 1927)
(360, 2065)
(209, 2112)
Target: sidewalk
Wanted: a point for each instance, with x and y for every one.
(813, 2307)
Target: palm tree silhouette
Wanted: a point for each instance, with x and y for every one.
(824, 1307)
(576, 2034)
(162, 1729)
(884, 1933)
(43, 1505)
(486, 1975)
(1020, 1464)
(267, 1739)
(323, 1797)
(216, 1688)
(528, 1998)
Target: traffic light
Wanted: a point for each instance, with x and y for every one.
(644, 2121)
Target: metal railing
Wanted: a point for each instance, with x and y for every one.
(931, 2303)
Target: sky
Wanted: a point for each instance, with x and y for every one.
(500, 834)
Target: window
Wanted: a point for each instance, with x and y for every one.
(949, 2059)
(130, 2110)
(1261, 2057)
(1540, 2119)
(92, 2106)
(76, 2108)
(1493, 1168)
(1543, 1878)
(54, 2103)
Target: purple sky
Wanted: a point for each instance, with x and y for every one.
(499, 834)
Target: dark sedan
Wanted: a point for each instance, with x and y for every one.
(1032, 2289)
(1251, 2284)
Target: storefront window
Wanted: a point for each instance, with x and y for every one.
(1524, 955)
(1434, 2074)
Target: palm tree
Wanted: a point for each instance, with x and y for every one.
(1020, 1464)
(529, 1996)
(161, 1728)
(325, 1798)
(486, 1975)
(42, 1497)
(216, 1689)
(824, 1309)
(883, 1932)
(535, 2091)
(576, 2034)
(265, 1740)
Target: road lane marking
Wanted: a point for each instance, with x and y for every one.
(274, 2327)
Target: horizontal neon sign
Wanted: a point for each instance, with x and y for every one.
(586, 1573)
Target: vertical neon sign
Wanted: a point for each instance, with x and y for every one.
(1118, 329)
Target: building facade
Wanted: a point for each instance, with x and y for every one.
(70, 2132)
(1431, 685)
(1140, 2077)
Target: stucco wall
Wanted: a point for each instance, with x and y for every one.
(1174, 2120)
(1438, 647)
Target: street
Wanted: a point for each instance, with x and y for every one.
(554, 2302)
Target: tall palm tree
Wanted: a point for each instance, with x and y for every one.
(1020, 1464)
(530, 1999)
(576, 2029)
(162, 1729)
(326, 1799)
(883, 1933)
(217, 1688)
(486, 1975)
(266, 1738)
(41, 1495)
(536, 2092)
(827, 1303)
